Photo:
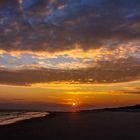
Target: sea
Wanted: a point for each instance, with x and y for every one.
(8, 117)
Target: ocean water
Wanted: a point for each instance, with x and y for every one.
(13, 117)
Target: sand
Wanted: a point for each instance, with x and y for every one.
(94, 125)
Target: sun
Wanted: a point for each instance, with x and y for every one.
(73, 104)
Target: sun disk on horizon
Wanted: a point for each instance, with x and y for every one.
(73, 104)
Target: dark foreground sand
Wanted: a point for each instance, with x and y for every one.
(77, 126)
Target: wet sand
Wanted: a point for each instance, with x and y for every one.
(96, 125)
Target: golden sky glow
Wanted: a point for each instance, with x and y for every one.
(63, 95)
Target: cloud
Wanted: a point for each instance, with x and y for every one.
(107, 72)
(85, 41)
(46, 25)
(73, 59)
(131, 92)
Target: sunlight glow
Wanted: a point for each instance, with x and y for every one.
(73, 104)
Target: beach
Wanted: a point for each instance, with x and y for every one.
(94, 125)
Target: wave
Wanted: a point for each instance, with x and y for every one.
(13, 117)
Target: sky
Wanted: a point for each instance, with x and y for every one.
(54, 53)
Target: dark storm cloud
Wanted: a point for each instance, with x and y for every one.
(106, 73)
(56, 25)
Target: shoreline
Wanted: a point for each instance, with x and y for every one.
(8, 118)
(43, 114)
(96, 125)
